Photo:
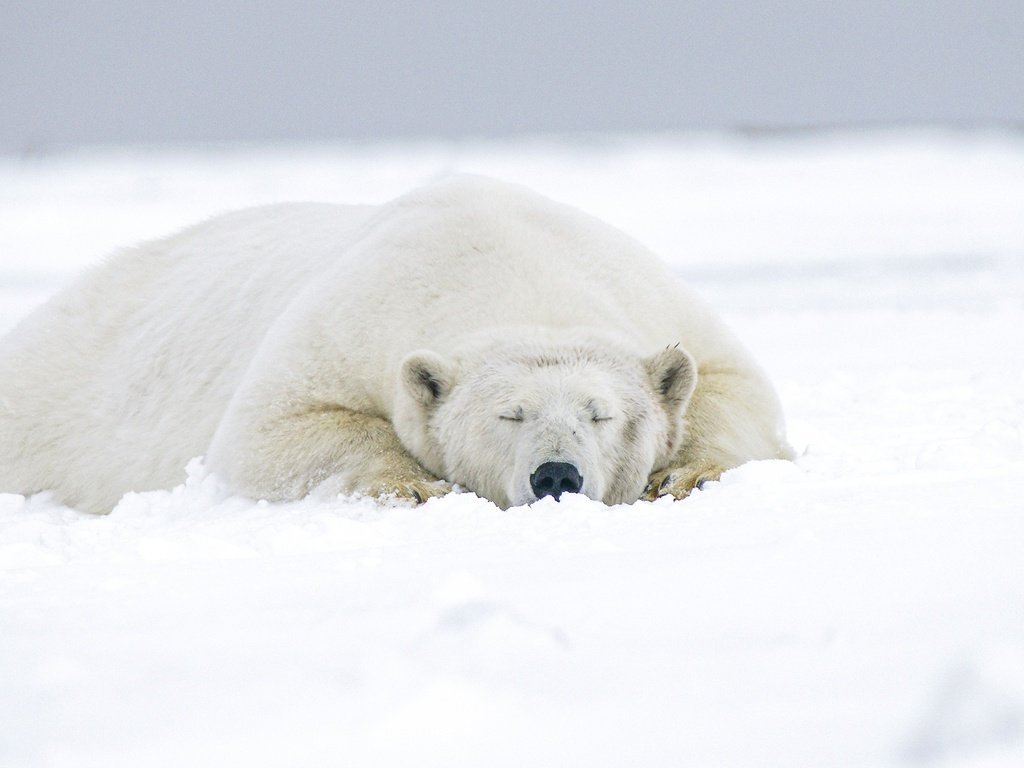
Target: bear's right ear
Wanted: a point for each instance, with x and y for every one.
(427, 377)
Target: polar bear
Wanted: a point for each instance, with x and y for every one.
(470, 333)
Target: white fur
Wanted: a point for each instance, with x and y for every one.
(289, 344)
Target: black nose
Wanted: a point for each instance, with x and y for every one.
(553, 478)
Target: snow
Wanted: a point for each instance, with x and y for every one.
(861, 607)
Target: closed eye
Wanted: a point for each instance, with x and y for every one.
(516, 415)
(598, 411)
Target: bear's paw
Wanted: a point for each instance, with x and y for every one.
(678, 482)
(417, 490)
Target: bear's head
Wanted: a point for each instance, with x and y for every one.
(519, 421)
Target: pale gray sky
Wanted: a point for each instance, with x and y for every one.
(97, 71)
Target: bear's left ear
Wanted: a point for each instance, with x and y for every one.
(427, 377)
(673, 374)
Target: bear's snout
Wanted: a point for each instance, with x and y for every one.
(553, 478)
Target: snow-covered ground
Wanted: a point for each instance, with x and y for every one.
(861, 607)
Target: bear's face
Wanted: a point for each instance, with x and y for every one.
(522, 422)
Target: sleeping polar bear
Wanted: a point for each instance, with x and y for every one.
(468, 333)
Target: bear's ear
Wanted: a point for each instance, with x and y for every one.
(673, 374)
(427, 377)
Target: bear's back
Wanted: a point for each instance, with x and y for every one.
(472, 253)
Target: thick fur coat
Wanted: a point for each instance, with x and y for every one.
(470, 332)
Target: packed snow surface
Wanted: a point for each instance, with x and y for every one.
(863, 606)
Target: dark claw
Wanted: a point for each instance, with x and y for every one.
(419, 497)
(665, 483)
